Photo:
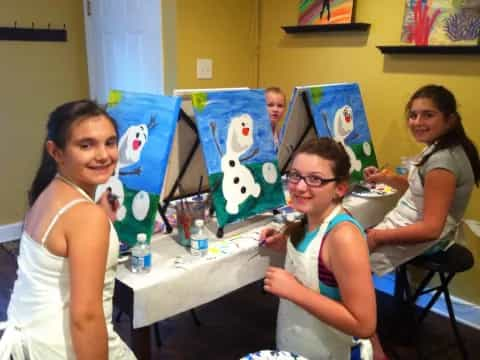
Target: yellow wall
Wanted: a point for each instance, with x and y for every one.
(385, 81)
(224, 31)
(35, 77)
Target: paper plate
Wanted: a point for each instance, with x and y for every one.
(373, 190)
(272, 355)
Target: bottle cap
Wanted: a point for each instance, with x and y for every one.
(291, 217)
(199, 223)
(141, 237)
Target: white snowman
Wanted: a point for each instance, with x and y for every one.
(130, 148)
(342, 127)
(238, 182)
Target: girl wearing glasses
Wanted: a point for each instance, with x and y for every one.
(437, 189)
(326, 291)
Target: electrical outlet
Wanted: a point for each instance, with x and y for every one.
(204, 68)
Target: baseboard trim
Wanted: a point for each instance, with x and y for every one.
(9, 232)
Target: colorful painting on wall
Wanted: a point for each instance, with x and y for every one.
(321, 12)
(338, 112)
(238, 147)
(440, 22)
(146, 125)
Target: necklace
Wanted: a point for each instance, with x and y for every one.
(73, 185)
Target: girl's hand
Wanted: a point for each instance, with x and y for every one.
(273, 239)
(109, 203)
(369, 171)
(281, 283)
(373, 175)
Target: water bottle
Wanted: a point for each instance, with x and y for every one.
(403, 167)
(199, 239)
(141, 255)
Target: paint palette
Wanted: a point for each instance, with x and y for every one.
(372, 190)
(272, 355)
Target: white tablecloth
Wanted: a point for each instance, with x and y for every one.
(180, 282)
(370, 211)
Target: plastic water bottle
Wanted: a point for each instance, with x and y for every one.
(403, 167)
(141, 255)
(199, 239)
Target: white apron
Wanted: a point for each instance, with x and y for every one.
(297, 330)
(409, 210)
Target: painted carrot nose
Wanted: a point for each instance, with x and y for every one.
(136, 144)
(245, 131)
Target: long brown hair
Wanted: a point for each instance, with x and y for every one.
(445, 102)
(58, 129)
(327, 149)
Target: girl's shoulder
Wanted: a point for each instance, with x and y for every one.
(345, 218)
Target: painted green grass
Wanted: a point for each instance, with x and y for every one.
(370, 160)
(129, 227)
(271, 197)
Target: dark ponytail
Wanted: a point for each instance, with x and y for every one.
(444, 100)
(58, 131)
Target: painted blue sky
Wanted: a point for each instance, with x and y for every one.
(221, 107)
(333, 98)
(136, 109)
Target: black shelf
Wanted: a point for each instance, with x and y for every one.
(431, 49)
(32, 34)
(325, 28)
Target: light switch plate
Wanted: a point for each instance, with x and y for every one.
(204, 68)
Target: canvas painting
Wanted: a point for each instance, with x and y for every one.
(237, 143)
(338, 112)
(441, 22)
(146, 125)
(318, 12)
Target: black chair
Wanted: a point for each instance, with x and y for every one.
(445, 264)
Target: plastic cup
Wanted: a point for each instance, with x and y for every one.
(184, 224)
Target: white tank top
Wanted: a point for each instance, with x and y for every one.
(38, 325)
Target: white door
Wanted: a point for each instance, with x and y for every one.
(124, 46)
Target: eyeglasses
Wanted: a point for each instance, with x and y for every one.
(311, 180)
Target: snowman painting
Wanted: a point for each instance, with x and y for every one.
(238, 182)
(130, 148)
(338, 112)
(343, 126)
(239, 152)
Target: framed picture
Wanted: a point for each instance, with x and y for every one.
(322, 12)
(441, 22)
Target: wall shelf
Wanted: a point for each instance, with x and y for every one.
(32, 34)
(431, 49)
(325, 28)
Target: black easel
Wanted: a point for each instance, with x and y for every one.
(309, 126)
(162, 208)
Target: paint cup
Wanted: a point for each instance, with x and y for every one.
(184, 223)
(198, 208)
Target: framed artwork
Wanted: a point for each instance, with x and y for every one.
(322, 12)
(441, 22)
(338, 112)
(146, 125)
(237, 144)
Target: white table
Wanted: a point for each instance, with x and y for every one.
(370, 211)
(172, 287)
